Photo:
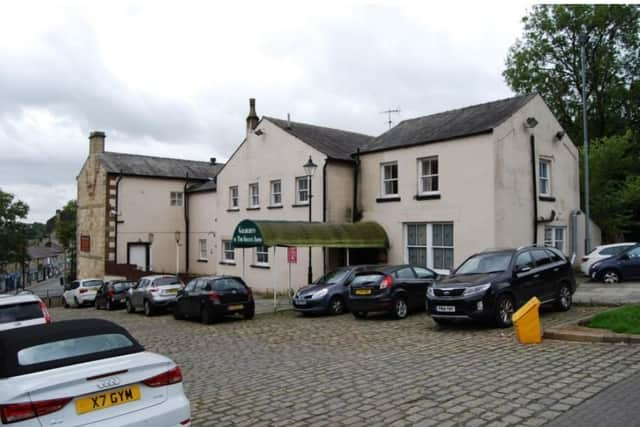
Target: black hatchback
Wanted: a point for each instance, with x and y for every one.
(492, 285)
(396, 289)
(213, 297)
(113, 294)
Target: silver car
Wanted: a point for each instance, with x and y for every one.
(153, 293)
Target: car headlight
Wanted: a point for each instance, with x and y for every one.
(430, 292)
(478, 289)
(321, 293)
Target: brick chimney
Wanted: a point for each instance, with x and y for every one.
(252, 118)
(96, 142)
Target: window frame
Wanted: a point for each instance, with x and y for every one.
(547, 179)
(553, 241)
(298, 190)
(176, 198)
(234, 200)
(257, 254)
(429, 245)
(226, 251)
(251, 195)
(384, 180)
(422, 175)
(200, 250)
(274, 193)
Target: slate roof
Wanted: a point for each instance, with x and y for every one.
(138, 165)
(44, 251)
(210, 185)
(335, 143)
(473, 120)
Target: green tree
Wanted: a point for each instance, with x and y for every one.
(13, 238)
(65, 231)
(547, 60)
(615, 186)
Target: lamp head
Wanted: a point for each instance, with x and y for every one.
(310, 167)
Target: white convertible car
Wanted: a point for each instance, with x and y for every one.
(86, 372)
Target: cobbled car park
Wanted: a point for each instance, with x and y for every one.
(286, 369)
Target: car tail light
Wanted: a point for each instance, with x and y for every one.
(110, 293)
(213, 296)
(386, 282)
(83, 290)
(585, 258)
(249, 293)
(186, 422)
(172, 376)
(153, 289)
(14, 412)
(45, 312)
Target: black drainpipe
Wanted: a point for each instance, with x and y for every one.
(186, 225)
(535, 189)
(356, 167)
(324, 209)
(115, 255)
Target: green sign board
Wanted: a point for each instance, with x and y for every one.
(247, 235)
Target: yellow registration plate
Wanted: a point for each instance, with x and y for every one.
(107, 399)
(171, 291)
(363, 291)
(236, 307)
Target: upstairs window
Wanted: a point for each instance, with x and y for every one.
(276, 193)
(254, 195)
(302, 190)
(544, 177)
(176, 198)
(389, 172)
(233, 197)
(428, 176)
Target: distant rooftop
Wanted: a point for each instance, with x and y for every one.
(138, 165)
(468, 121)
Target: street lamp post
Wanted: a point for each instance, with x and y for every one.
(587, 230)
(310, 169)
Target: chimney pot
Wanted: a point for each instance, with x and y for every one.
(212, 160)
(96, 142)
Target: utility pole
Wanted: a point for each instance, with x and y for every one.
(388, 112)
(587, 210)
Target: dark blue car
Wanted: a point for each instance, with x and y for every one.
(328, 294)
(625, 266)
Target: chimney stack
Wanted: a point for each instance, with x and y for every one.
(96, 142)
(288, 121)
(212, 160)
(252, 118)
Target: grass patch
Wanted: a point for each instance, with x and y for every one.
(623, 320)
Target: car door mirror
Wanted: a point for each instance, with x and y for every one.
(523, 269)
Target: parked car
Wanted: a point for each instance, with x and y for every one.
(397, 289)
(153, 293)
(624, 266)
(22, 309)
(328, 294)
(212, 297)
(492, 285)
(113, 294)
(602, 252)
(80, 292)
(87, 372)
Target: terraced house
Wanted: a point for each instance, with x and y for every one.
(432, 190)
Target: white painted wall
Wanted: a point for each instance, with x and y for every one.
(202, 225)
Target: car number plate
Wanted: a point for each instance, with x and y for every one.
(171, 291)
(107, 399)
(363, 292)
(446, 308)
(236, 307)
(301, 302)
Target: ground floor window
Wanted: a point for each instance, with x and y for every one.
(262, 255)
(203, 248)
(228, 254)
(554, 237)
(429, 245)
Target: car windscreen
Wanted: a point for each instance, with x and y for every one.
(486, 263)
(92, 284)
(122, 286)
(333, 277)
(20, 311)
(165, 281)
(72, 347)
(366, 279)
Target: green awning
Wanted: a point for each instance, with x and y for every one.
(250, 233)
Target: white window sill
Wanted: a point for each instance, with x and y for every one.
(429, 193)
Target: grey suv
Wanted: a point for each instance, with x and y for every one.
(152, 293)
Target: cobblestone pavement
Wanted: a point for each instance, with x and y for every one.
(284, 369)
(615, 407)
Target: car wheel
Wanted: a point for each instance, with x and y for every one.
(249, 313)
(130, 307)
(107, 305)
(205, 316)
(400, 308)
(442, 322)
(336, 305)
(563, 303)
(96, 304)
(505, 308)
(360, 314)
(176, 313)
(148, 308)
(610, 277)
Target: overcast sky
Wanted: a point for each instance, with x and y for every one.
(173, 79)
